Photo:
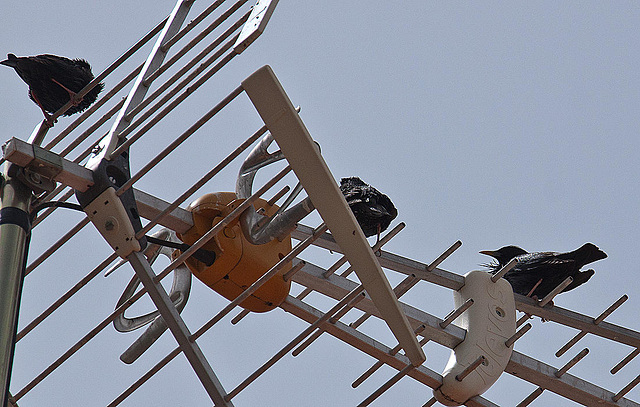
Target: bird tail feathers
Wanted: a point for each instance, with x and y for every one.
(586, 254)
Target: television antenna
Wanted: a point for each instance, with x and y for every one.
(32, 171)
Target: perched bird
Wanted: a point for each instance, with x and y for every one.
(373, 210)
(54, 80)
(537, 274)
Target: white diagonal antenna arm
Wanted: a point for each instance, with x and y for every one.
(109, 143)
(282, 120)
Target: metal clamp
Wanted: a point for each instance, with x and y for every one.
(259, 228)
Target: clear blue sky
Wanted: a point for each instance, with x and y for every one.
(493, 123)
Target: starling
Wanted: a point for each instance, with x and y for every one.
(54, 80)
(537, 274)
(373, 210)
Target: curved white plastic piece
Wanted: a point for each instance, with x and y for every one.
(489, 323)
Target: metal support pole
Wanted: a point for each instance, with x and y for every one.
(15, 198)
(179, 330)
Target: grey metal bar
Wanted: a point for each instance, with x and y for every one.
(352, 295)
(455, 281)
(335, 318)
(179, 329)
(379, 364)
(386, 386)
(529, 399)
(174, 103)
(241, 315)
(456, 313)
(624, 361)
(411, 280)
(84, 281)
(278, 195)
(182, 71)
(289, 274)
(191, 25)
(612, 308)
(568, 386)
(181, 139)
(473, 366)
(343, 259)
(375, 248)
(555, 292)
(71, 351)
(14, 245)
(596, 321)
(570, 344)
(444, 255)
(330, 271)
(577, 358)
(517, 335)
(504, 270)
(393, 262)
(627, 388)
(372, 347)
(193, 61)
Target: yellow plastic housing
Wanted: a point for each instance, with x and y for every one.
(239, 263)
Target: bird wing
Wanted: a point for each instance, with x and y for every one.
(547, 263)
(354, 193)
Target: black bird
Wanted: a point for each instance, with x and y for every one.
(537, 274)
(54, 80)
(373, 210)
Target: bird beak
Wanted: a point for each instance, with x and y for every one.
(488, 253)
(9, 62)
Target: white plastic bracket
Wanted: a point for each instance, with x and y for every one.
(109, 216)
(489, 323)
